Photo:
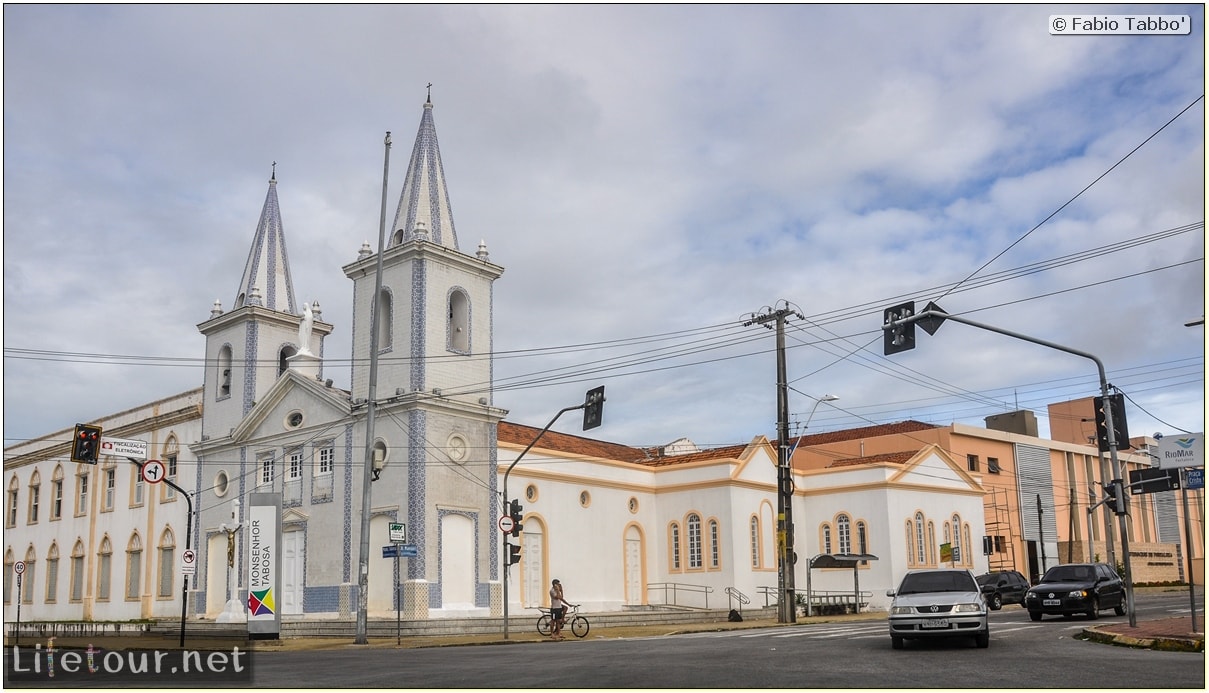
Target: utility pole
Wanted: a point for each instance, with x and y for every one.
(362, 635)
(786, 607)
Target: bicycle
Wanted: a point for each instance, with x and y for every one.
(579, 624)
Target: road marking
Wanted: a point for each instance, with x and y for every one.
(997, 631)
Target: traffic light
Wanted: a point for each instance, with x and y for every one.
(1114, 496)
(1119, 426)
(86, 445)
(900, 337)
(515, 511)
(594, 407)
(514, 554)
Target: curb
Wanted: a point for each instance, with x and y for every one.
(1164, 644)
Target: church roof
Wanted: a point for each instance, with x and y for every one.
(425, 199)
(884, 458)
(518, 434)
(266, 277)
(896, 428)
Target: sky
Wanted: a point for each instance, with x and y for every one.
(651, 178)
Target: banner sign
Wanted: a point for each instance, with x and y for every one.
(1186, 450)
(264, 565)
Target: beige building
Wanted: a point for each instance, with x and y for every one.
(1038, 490)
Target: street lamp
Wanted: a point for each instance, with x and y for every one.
(817, 402)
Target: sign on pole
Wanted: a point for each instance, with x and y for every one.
(153, 471)
(1182, 451)
(188, 562)
(1153, 480)
(506, 524)
(398, 532)
(1194, 478)
(123, 447)
(19, 567)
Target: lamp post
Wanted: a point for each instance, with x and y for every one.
(817, 402)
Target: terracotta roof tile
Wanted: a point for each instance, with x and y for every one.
(864, 432)
(887, 457)
(725, 453)
(554, 441)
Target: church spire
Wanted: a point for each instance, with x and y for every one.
(266, 278)
(424, 202)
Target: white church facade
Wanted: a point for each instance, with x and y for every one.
(620, 526)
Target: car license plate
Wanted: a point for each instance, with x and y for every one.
(935, 623)
(1051, 602)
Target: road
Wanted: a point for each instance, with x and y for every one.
(1023, 654)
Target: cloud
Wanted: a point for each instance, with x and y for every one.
(639, 171)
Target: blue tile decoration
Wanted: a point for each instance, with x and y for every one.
(417, 425)
(243, 504)
(419, 281)
(249, 367)
(348, 502)
(480, 587)
(321, 598)
(493, 550)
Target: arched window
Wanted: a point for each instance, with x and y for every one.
(674, 545)
(222, 375)
(283, 358)
(715, 556)
(755, 541)
(10, 505)
(968, 556)
(52, 573)
(167, 551)
(104, 569)
(9, 560)
(56, 493)
(843, 531)
(27, 578)
(385, 318)
(134, 566)
(77, 572)
(459, 322)
(919, 539)
(693, 524)
(931, 544)
(862, 539)
(826, 538)
(958, 551)
(910, 543)
(35, 496)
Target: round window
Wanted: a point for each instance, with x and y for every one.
(530, 493)
(293, 419)
(456, 447)
(221, 483)
(585, 498)
(633, 505)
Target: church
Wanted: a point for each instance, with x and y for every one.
(622, 527)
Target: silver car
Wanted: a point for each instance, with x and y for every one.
(938, 603)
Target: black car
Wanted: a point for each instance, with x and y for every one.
(1076, 588)
(1001, 587)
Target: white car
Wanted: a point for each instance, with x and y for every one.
(935, 603)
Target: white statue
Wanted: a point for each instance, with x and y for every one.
(304, 330)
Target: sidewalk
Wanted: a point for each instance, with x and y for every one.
(1170, 634)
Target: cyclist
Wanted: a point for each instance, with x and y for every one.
(558, 610)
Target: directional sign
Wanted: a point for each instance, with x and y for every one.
(390, 551)
(506, 524)
(1153, 480)
(188, 562)
(123, 447)
(1194, 478)
(19, 567)
(408, 550)
(398, 532)
(153, 471)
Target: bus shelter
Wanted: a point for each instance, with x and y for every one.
(838, 560)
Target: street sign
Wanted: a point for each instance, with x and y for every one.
(1154, 480)
(188, 562)
(19, 567)
(391, 551)
(153, 471)
(408, 551)
(398, 532)
(506, 524)
(123, 447)
(1194, 478)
